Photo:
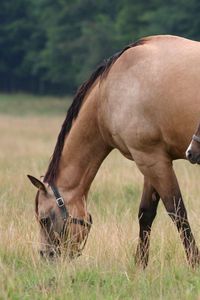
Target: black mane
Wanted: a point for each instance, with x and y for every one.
(74, 109)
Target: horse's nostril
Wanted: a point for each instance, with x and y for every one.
(51, 253)
(45, 254)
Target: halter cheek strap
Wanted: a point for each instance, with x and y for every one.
(60, 203)
(65, 214)
(196, 138)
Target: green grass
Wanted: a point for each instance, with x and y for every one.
(23, 104)
(106, 270)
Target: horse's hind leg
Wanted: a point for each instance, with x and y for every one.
(146, 215)
(163, 178)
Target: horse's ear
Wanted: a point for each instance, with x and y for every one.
(37, 183)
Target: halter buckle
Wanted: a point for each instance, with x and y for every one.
(60, 202)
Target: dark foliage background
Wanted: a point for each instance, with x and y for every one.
(51, 46)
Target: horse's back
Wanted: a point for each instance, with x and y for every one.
(150, 96)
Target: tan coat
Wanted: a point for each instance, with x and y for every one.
(147, 105)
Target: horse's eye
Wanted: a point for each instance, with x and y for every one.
(44, 222)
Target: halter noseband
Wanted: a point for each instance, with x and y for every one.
(65, 214)
(196, 138)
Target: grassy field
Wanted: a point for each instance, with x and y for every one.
(28, 128)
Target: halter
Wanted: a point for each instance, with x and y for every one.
(67, 218)
(196, 138)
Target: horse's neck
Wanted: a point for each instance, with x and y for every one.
(83, 152)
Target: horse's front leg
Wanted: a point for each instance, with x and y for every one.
(146, 215)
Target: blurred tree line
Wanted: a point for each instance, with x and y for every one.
(51, 46)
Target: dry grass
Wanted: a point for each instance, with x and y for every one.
(106, 269)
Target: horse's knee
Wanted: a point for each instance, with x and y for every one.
(146, 217)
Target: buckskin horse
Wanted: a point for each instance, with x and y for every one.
(145, 102)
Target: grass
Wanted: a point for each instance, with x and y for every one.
(22, 104)
(106, 270)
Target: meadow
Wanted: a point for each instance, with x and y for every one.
(29, 127)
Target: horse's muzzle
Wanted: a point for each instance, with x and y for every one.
(52, 254)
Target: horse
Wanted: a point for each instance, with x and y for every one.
(145, 102)
(193, 150)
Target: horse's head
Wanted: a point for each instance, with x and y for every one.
(193, 151)
(59, 231)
